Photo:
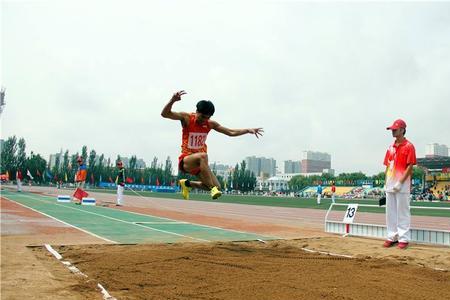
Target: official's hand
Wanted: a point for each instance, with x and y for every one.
(256, 131)
(397, 187)
(177, 96)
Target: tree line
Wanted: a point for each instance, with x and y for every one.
(100, 169)
(345, 179)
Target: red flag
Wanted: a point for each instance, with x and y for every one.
(157, 181)
(142, 180)
(129, 180)
(92, 178)
(79, 194)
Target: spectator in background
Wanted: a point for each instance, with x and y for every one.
(19, 178)
(80, 179)
(319, 193)
(81, 174)
(333, 193)
(120, 182)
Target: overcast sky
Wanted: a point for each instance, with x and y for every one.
(328, 76)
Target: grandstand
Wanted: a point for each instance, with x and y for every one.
(441, 188)
(340, 190)
(349, 192)
(437, 169)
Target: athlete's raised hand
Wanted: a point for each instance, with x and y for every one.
(256, 131)
(177, 96)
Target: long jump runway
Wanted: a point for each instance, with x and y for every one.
(117, 226)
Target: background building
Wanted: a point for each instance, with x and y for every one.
(314, 162)
(291, 166)
(52, 159)
(435, 149)
(220, 169)
(272, 184)
(261, 166)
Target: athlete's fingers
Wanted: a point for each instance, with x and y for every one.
(177, 96)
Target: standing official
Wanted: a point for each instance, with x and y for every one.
(120, 181)
(19, 178)
(399, 161)
(333, 193)
(81, 174)
(80, 179)
(319, 193)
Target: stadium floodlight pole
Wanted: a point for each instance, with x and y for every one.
(2, 99)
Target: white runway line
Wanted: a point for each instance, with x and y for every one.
(76, 271)
(70, 225)
(100, 215)
(327, 253)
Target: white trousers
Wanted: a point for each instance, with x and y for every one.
(398, 217)
(119, 194)
(19, 185)
(333, 198)
(318, 198)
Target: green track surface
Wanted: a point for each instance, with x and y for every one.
(126, 227)
(295, 202)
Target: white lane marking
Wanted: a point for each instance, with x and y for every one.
(220, 228)
(52, 251)
(209, 226)
(327, 253)
(162, 223)
(77, 271)
(119, 220)
(70, 225)
(106, 295)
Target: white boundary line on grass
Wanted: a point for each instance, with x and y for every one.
(115, 219)
(70, 225)
(76, 271)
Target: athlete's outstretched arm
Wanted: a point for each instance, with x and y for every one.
(167, 110)
(235, 132)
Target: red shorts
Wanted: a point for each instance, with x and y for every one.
(194, 171)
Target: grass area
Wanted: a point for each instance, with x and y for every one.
(295, 202)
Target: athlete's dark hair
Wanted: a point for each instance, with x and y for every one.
(205, 107)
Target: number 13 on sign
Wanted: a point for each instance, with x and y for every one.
(350, 213)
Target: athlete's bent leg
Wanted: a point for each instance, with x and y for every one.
(208, 181)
